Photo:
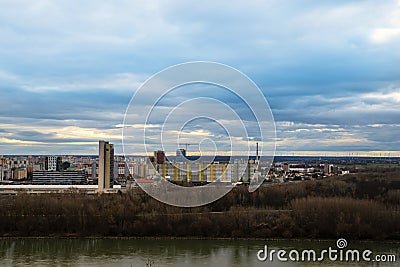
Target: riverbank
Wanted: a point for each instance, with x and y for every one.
(192, 238)
(363, 206)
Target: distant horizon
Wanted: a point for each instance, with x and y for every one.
(383, 154)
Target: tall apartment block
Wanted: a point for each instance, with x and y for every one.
(106, 164)
(53, 163)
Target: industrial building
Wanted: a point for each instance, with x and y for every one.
(59, 177)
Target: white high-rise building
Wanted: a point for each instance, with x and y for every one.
(53, 163)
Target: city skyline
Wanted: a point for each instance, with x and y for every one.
(330, 70)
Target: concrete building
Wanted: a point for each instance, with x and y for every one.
(286, 167)
(143, 170)
(106, 165)
(19, 173)
(328, 168)
(94, 171)
(16, 162)
(2, 173)
(116, 170)
(59, 177)
(198, 171)
(127, 172)
(53, 163)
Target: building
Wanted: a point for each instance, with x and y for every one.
(106, 165)
(141, 170)
(286, 167)
(127, 170)
(203, 171)
(159, 155)
(19, 173)
(59, 177)
(53, 163)
(46, 189)
(116, 170)
(328, 168)
(93, 171)
(2, 172)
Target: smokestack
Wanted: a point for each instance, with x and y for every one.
(257, 151)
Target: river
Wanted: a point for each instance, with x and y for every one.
(158, 253)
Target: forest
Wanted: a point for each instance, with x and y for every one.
(364, 205)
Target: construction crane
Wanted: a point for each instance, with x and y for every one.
(187, 145)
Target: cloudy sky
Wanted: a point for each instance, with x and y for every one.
(330, 70)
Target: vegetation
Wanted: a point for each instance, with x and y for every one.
(365, 205)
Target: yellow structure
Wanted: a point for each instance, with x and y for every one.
(223, 167)
(248, 172)
(188, 172)
(201, 172)
(224, 172)
(176, 172)
(212, 173)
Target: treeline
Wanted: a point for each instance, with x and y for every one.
(360, 206)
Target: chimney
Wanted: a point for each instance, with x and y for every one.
(257, 151)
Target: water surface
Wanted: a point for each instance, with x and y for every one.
(157, 253)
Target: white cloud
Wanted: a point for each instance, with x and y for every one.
(118, 81)
(384, 35)
(390, 96)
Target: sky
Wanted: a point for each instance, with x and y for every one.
(330, 70)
